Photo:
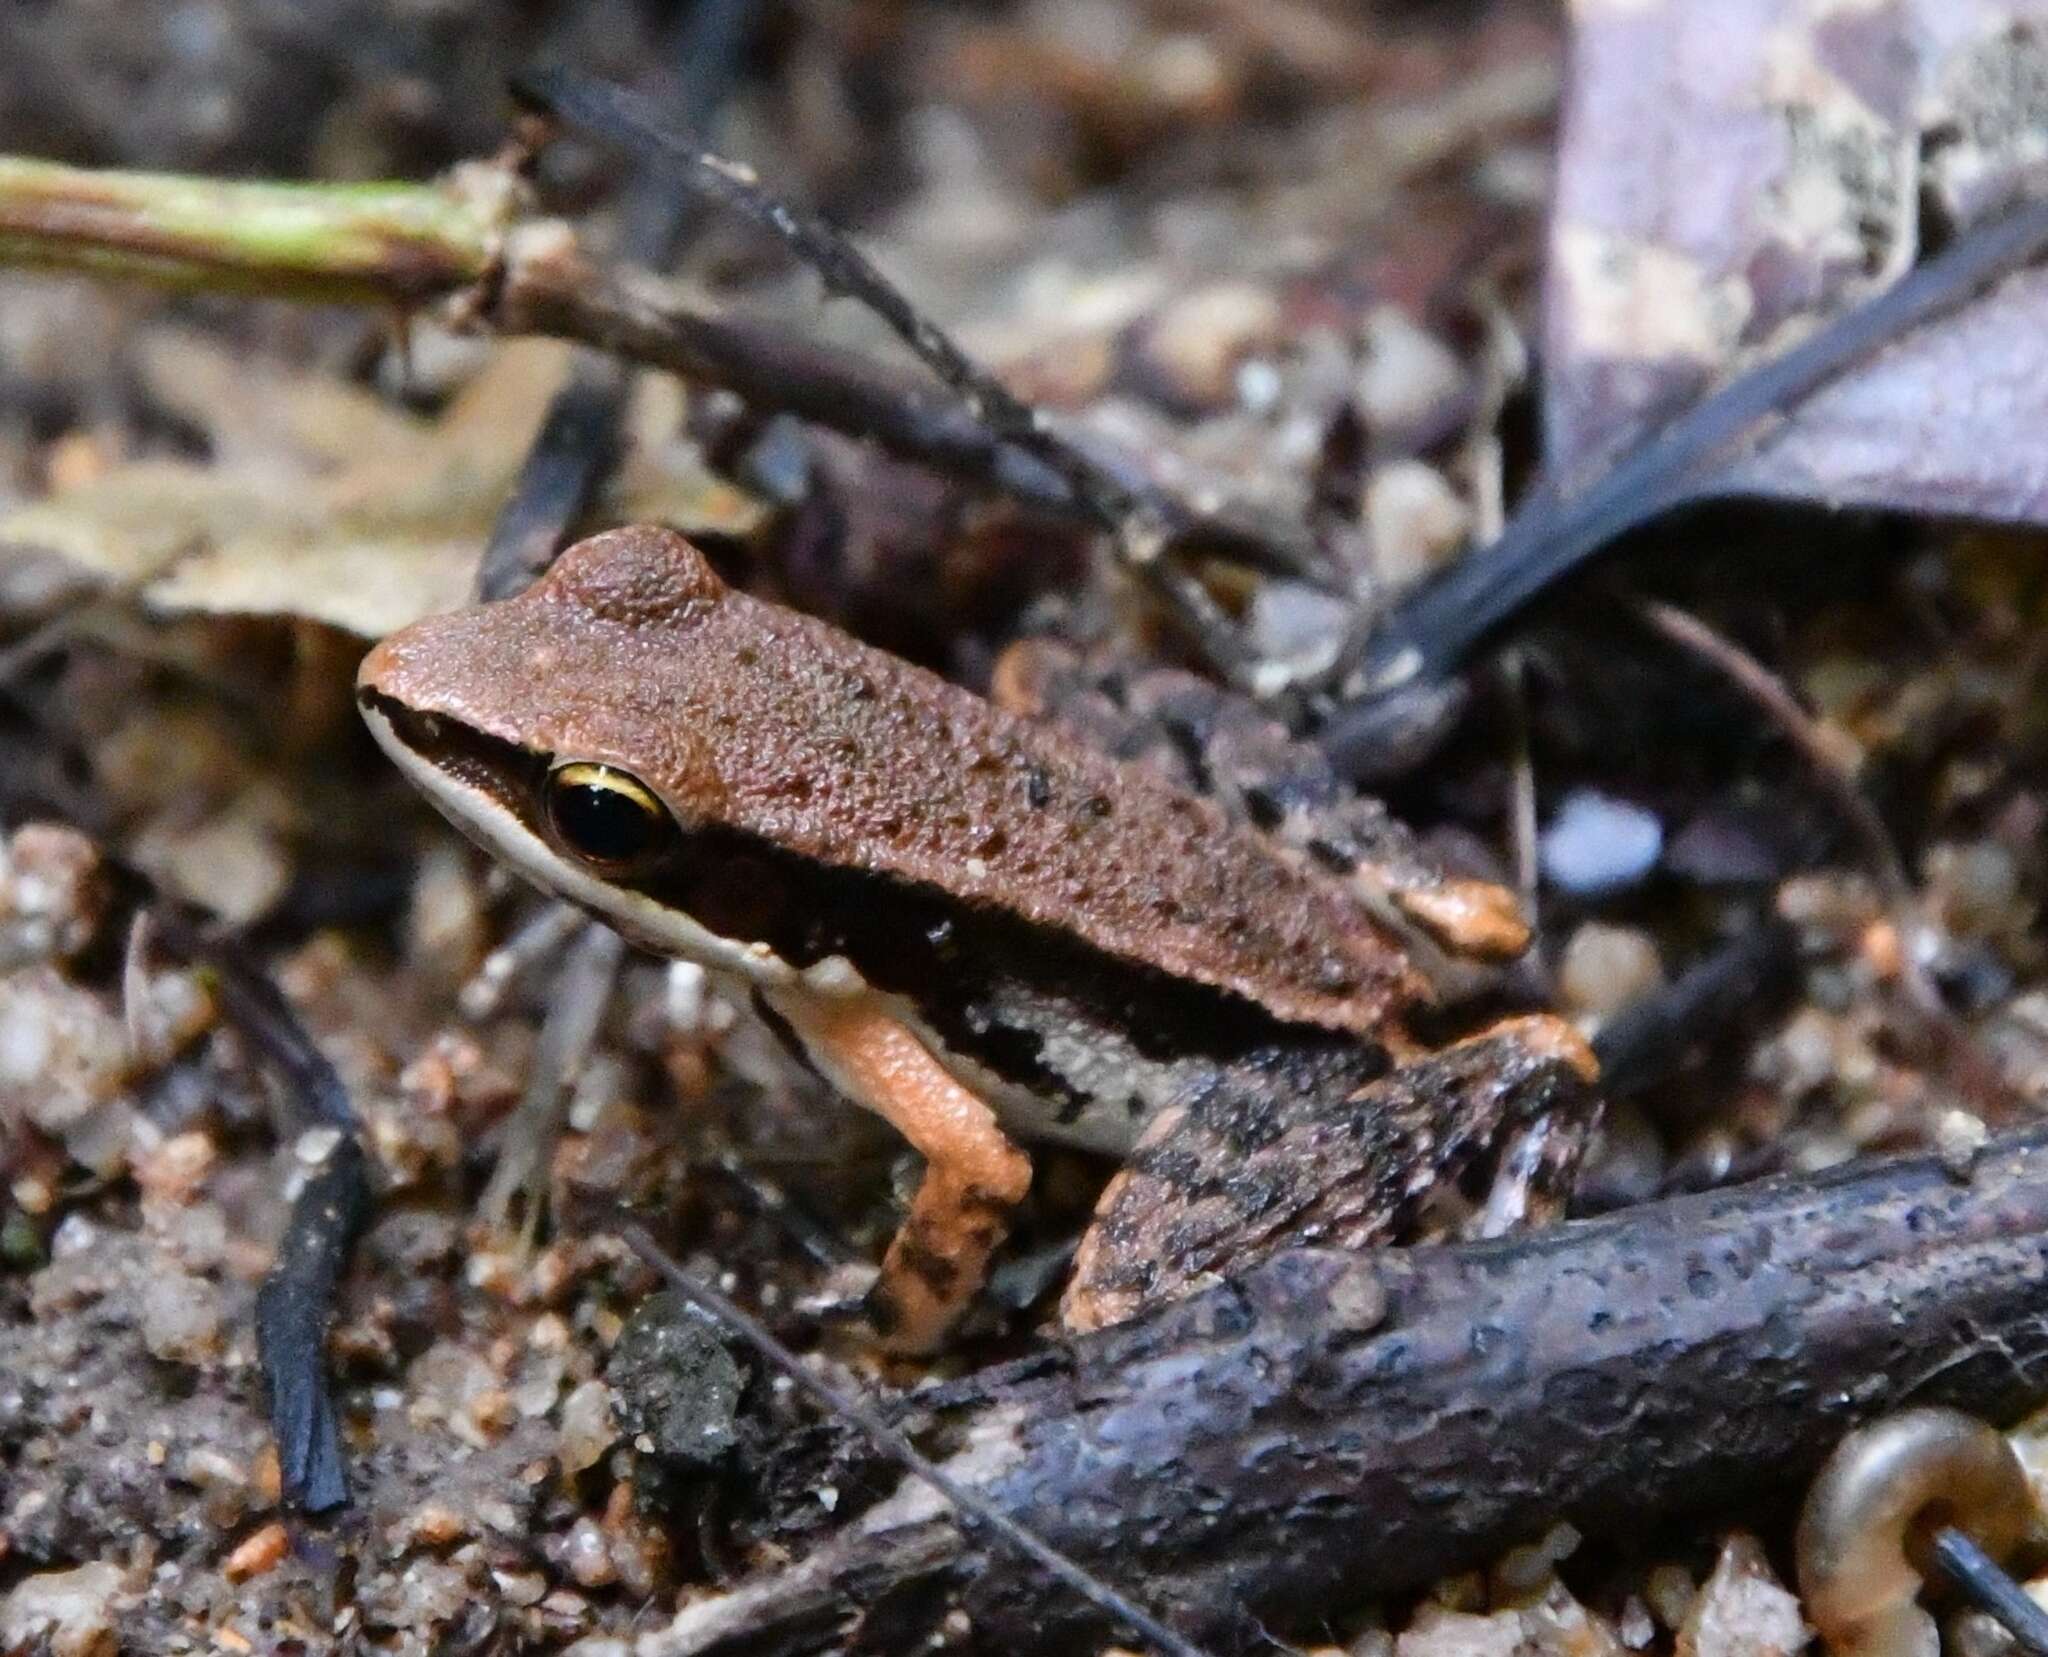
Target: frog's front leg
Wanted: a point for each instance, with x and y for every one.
(974, 1175)
(1277, 1154)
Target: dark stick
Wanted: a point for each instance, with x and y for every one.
(293, 1309)
(1146, 521)
(880, 1432)
(1645, 1041)
(1331, 1428)
(577, 446)
(635, 124)
(550, 287)
(573, 452)
(1430, 634)
(1976, 1576)
(296, 1302)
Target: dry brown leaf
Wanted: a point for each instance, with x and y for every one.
(325, 504)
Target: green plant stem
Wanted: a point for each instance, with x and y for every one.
(394, 243)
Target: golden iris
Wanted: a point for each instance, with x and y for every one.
(605, 816)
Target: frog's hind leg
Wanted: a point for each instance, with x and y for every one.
(974, 1176)
(1258, 1162)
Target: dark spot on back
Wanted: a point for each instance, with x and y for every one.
(1332, 857)
(1262, 808)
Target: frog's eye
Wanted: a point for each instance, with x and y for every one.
(606, 817)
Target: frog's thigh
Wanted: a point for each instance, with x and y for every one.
(1238, 1173)
(974, 1176)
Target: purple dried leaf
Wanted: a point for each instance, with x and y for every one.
(1733, 172)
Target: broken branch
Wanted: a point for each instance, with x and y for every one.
(359, 244)
(1294, 1444)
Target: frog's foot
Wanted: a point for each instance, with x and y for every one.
(974, 1176)
(1241, 1171)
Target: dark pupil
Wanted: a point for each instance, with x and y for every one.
(603, 823)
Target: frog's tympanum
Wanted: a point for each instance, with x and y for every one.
(977, 926)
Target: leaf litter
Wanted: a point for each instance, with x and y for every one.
(1804, 164)
(323, 502)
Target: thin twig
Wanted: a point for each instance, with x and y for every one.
(1979, 1578)
(580, 993)
(1774, 699)
(1522, 791)
(1146, 522)
(975, 1507)
(542, 935)
(389, 244)
(462, 241)
(571, 455)
(577, 445)
(1975, 1075)
(1643, 1044)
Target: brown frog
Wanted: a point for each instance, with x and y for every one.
(976, 926)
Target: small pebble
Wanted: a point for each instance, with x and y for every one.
(51, 894)
(676, 1384)
(67, 1613)
(1197, 341)
(587, 1430)
(233, 864)
(267, 1475)
(63, 1054)
(521, 1588)
(435, 1525)
(1727, 846)
(197, 1235)
(75, 1235)
(1523, 1569)
(1405, 374)
(181, 1318)
(445, 921)
(1596, 844)
(1670, 1591)
(1978, 886)
(1958, 1137)
(488, 1415)
(537, 1383)
(1296, 625)
(1605, 968)
(175, 1170)
(589, 1557)
(262, 1551)
(1414, 521)
(565, 1607)
(1743, 1611)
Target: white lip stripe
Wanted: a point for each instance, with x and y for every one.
(499, 832)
